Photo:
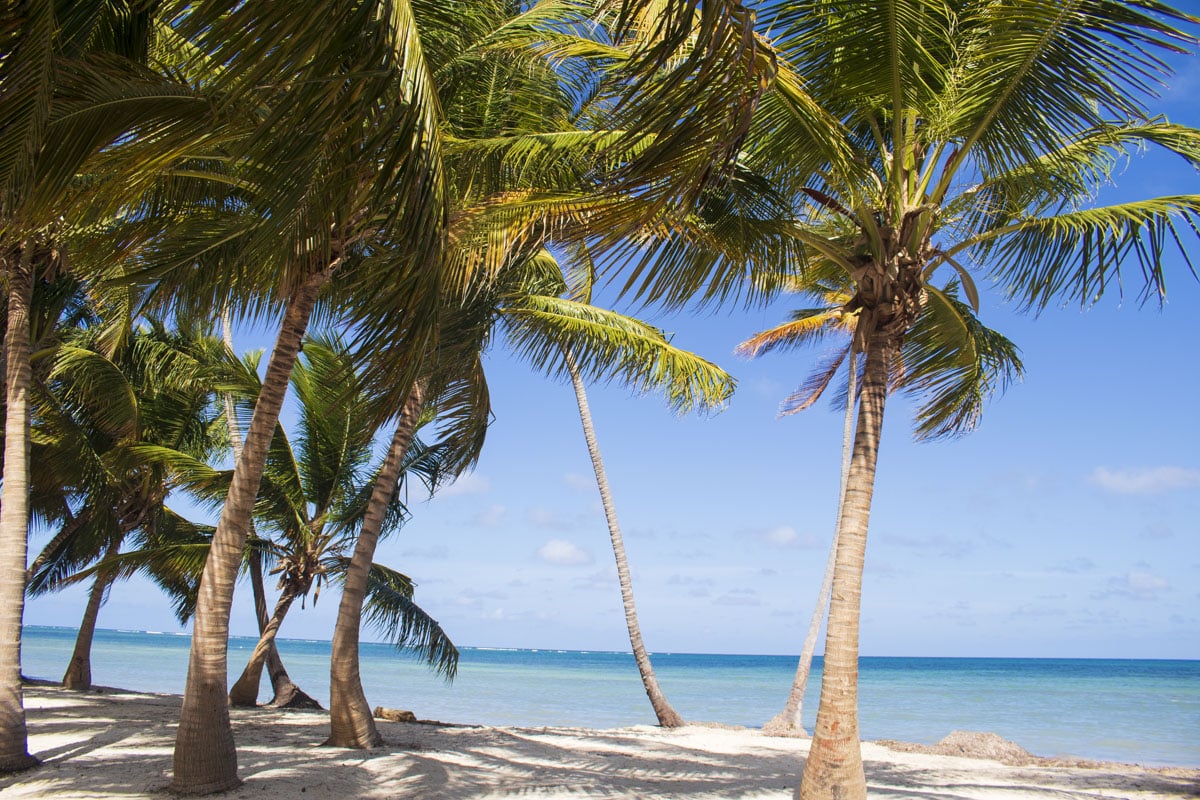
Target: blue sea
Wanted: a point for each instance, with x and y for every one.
(1140, 711)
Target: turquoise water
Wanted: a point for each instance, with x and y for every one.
(1121, 710)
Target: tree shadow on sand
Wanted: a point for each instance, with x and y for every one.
(120, 746)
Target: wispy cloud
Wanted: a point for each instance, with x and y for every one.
(786, 536)
(562, 553)
(740, 597)
(438, 552)
(938, 544)
(604, 580)
(1074, 566)
(471, 483)
(550, 519)
(1156, 531)
(579, 482)
(1147, 480)
(1139, 584)
(491, 517)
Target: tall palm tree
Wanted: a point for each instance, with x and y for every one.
(985, 362)
(965, 136)
(327, 150)
(74, 84)
(525, 165)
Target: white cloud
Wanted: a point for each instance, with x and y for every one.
(563, 553)
(1148, 480)
(471, 483)
(1140, 584)
(786, 536)
(580, 482)
(547, 518)
(782, 535)
(492, 517)
(1143, 581)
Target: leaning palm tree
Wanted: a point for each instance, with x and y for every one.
(328, 150)
(314, 497)
(525, 165)
(803, 326)
(94, 412)
(286, 694)
(640, 357)
(964, 137)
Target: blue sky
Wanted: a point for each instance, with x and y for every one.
(1066, 525)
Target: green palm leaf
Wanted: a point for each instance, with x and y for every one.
(390, 609)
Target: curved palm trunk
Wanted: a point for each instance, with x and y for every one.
(667, 716)
(350, 721)
(286, 693)
(244, 693)
(205, 756)
(14, 511)
(834, 767)
(79, 671)
(789, 722)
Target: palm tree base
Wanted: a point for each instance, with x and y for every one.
(363, 742)
(783, 726)
(20, 763)
(195, 790)
(669, 718)
(293, 697)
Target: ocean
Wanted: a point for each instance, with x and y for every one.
(1140, 711)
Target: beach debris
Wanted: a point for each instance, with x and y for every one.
(975, 744)
(394, 714)
(970, 744)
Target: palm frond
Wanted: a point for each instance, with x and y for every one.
(953, 364)
(390, 610)
(610, 346)
(1080, 253)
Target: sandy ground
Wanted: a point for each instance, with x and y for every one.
(118, 745)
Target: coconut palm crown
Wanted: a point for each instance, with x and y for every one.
(961, 139)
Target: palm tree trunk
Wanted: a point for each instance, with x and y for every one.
(205, 756)
(350, 721)
(14, 509)
(834, 766)
(667, 716)
(286, 694)
(244, 693)
(789, 722)
(79, 671)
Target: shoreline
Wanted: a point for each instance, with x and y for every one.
(113, 742)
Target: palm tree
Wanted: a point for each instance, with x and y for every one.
(327, 150)
(313, 498)
(960, 135)
(789, 721)
(525, 164)
(286, 694)
(96, 410)
(984, 362)
(73, 86)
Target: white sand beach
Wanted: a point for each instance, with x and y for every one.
(114, 744)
